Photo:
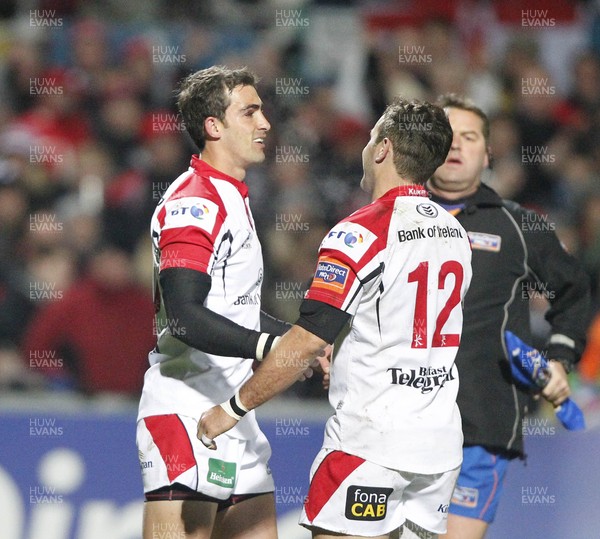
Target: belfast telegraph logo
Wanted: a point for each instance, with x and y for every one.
(425, 378)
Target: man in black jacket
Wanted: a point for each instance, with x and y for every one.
(514, 250)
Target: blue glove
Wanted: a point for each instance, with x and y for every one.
(530, 369)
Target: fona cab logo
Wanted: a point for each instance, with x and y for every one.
(367, 503)
(46, 510)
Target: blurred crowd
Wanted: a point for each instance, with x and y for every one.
(90, 138)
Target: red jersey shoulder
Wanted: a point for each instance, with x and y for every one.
(195, 202)
(375, 216)
(359, 237)
(196, 185)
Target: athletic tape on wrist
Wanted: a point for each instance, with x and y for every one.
(229, 410)
(234, 407)
(238, 405)
(266, 341)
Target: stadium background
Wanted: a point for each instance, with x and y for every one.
(90, 138)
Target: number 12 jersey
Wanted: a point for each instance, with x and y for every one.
(400, 267)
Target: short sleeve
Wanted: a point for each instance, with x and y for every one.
(347, 258)
(189, 233)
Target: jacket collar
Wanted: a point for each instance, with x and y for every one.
(484, 197)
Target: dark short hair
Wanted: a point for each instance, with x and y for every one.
(464, 103)
(206, 93)
(421, 137)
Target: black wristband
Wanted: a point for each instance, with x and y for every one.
(235, 406)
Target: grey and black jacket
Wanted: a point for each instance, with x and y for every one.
(516, 254)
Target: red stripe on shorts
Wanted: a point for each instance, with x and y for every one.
(332, 472)
(173, 443)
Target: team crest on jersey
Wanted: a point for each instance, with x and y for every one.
(427, 210)
(350, 238)
(191, 211)
(485, 242)
(331, 274)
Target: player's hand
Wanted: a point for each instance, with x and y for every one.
(325, 369)
(324, 365)
(309, 371)
(320, 364)
(557, 390)
(212, 423)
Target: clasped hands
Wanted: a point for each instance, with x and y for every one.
(216, 420)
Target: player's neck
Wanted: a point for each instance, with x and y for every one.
(223, 163)
(384, 184)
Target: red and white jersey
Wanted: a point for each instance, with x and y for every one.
(401, 266)
(203, 222)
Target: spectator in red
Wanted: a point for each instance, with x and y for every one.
(96, 338)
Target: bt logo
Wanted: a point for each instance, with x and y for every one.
(197, 211)
(350, 239)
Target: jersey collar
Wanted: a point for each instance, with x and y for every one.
(204, 169)
(414, 190)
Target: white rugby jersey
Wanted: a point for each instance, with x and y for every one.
(401, 266)
(203, 222)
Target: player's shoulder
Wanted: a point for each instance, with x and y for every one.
(362, 232)
(196, 191)
(374, 217)
(371, 221)
(422, 212)
(193, 184)
(191, 201)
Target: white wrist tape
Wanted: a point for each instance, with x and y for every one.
(266, 341)
(234, 407)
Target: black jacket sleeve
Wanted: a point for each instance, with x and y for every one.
(560, 278)
(184, 292)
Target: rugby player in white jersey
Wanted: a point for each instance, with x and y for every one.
(396, 272)
(208, 276)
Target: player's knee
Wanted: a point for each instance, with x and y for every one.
(410, 530)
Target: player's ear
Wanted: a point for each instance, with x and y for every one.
(489, 160)
(213, 127)
(383, 149)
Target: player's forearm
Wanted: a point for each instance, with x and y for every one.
(184, 292)
(293, 353)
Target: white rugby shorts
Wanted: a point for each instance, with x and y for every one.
(170, 452)
(350, 495)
